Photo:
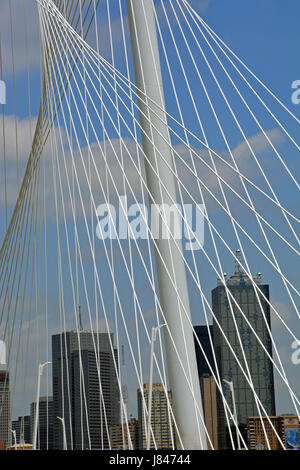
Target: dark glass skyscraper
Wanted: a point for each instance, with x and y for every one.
(45, 423)
(85, 389)
(202, 333)
(22, 426)
(211, 397)
(260, 366)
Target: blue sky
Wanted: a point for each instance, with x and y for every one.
(265, 35)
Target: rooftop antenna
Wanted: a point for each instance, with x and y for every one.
(124, 386)
(123, 355)
(238, 261)
(79, 319)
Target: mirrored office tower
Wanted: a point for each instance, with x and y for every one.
(85, 389)
(254, 359)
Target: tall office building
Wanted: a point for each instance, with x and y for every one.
(211, 397)
(161, 420)
(22, 427)
(119, 435)
(45, 423)
(210, 411)
(205, 336)
(85, 389)
(4, 409)
(260, 366)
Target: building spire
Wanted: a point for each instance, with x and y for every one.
(238, 261)
(79, 319)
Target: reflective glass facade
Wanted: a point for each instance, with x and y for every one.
(246, 346)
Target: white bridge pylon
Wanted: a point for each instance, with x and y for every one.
(186, 396)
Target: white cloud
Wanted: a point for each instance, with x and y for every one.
(112, 154)
(242, 156)
(258, 143)
(17, 155)
(284, 311)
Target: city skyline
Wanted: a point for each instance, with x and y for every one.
(201, 332)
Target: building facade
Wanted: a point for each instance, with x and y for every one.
(211, 397)
(4, 409)
(205, 336)
(22, 427)
(287, 428)
(210, 410)
(45, 423)
(161, 420)
(247, 349)
(85, 389)
(119, 435)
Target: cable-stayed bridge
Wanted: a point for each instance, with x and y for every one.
(158, 161)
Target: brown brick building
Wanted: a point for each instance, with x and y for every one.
(287, 428)
(119, 435)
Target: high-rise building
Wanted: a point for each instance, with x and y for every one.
(211, 398)
(210, 410)
(249, 348)
(85, 389)
(4, 409)
(287, 428)
(161, 419)
(119, 435)
(45, 423)
(205, 336)
(22, 427)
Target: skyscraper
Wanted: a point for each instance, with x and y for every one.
(85, 389)
(202, 333)
(4, 409)
(22, 426)
(119, 435)
(210, 410)
(161, 420)
(260, 366)
(45, 423)
(211, 398)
